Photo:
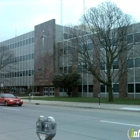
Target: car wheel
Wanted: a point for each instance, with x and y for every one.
(19, 105)
(6, 104)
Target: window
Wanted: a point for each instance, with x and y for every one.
(137, 62)
(33, 56)
(138, 88)
(33, 40)
(30, 40)
(137, 37)
(20, 74)
(130, 87)
(24, 42)
(129, 39)
(20, 43)
(24, 57)
(27, 41)
(116, 87)
(21, 58)
(115, 65)
(90, 88)
(65, 36)
(61, 52)
(130, 63)
(102, 66)
(90, 46)
(102, 88)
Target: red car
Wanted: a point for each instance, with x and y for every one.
(10, 99)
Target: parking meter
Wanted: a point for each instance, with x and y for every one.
(46, 128)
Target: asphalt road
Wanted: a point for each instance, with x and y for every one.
(19, 123)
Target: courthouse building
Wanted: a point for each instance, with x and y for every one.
(42, 53)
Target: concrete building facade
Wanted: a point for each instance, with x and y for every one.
(42, 53)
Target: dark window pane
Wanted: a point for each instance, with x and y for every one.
(137, 37)
(116, 88)
(102, 66)
(137, 62)
(102, 88)
(24, 42)
(79, 88)
(84, 88)
(20, 43)
(129, 38)
(130, 63)
(115, 65)
(33, 56)
(130, 87)
(27, 41)
(90, 46)
(138, 88)
(90, 88)
(65, 36)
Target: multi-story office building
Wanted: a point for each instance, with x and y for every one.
(42, 53)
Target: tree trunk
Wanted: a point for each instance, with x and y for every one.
(110, 93)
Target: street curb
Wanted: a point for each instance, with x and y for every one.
(75, 106)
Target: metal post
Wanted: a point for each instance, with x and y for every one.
(99, 98)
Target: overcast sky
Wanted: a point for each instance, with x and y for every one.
(20, 16)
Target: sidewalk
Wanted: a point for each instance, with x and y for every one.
(85, 105)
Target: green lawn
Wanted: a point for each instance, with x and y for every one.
(88, 100)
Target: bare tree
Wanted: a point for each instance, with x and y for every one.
(7, 63)
(102, 48)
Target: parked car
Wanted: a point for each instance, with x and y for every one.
(10, 99)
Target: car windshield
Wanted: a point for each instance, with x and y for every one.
(9, 96)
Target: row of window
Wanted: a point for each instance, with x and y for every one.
(17, 74)
(21, 43)
(133, 38)
(130, 64)
(115, 88)
(22, 58)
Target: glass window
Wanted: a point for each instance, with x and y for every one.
(115, 65)
(21, 58)
(79, 88)
(20, 73)
(130, 87)
(130, 63)
(137, 62)
(84, 88)
(20, 43)
(116, 87)
(90, 46)
(16, 45)
(33, 40)
(137, 37)
(102, 88)
(129, 39)
(65, 36)
(24, 73)
(27, 73)
(30, 40)
(24, 42)
(30, 73)
(61, 52)
(27, 41)
(138, 88)
(33, 56)
(90, 88)
(27, 57)
(30, 56)
(24, 57)
(102, 66)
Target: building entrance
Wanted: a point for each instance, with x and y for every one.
(48, 91)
